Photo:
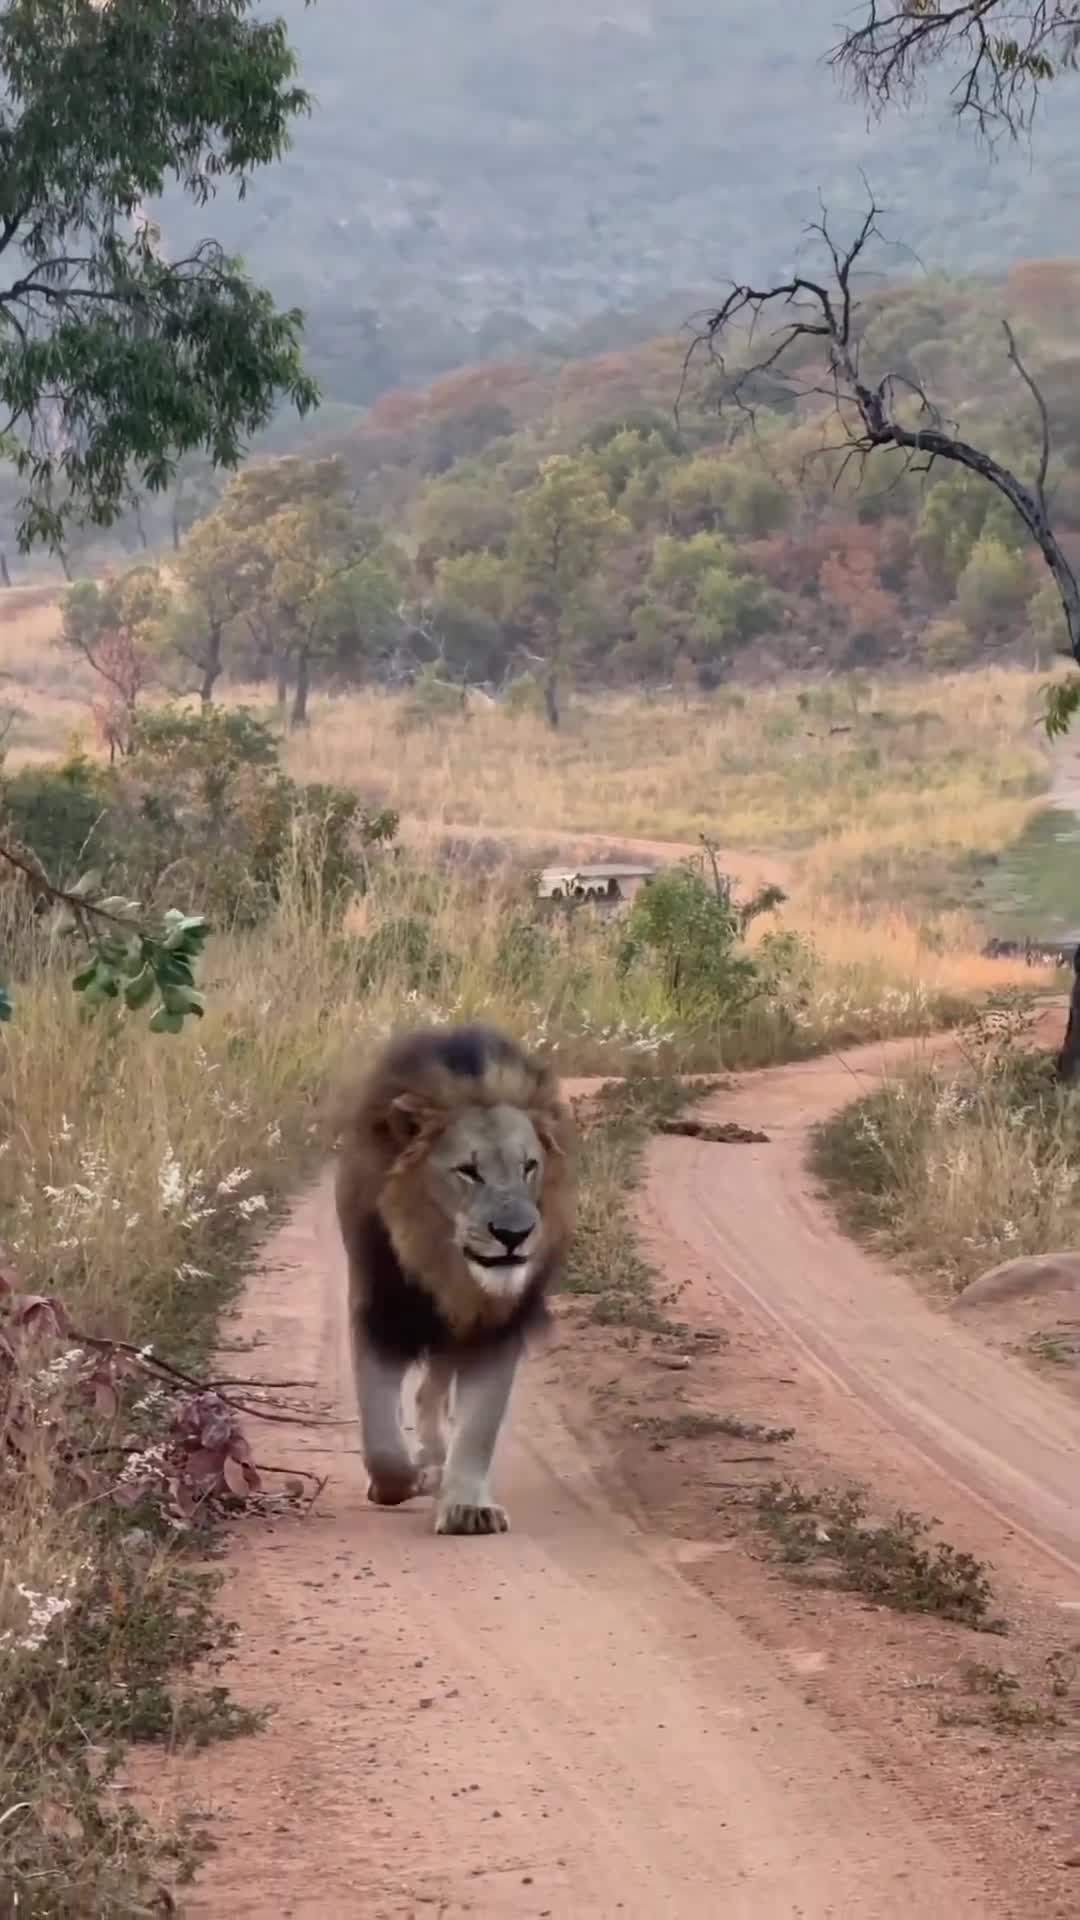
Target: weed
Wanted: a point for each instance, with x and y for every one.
(1059, 1349)
(692, 1425)
(1004, 1707)
(893, 1564)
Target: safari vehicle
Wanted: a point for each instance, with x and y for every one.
(609, 885)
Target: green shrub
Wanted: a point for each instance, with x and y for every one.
(57, 813)
(692, 929)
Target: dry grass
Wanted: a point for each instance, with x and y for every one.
(919, 763)
(959, 1166)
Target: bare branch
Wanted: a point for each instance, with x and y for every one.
(1044, 417)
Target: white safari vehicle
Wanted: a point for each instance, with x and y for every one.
(608, 885)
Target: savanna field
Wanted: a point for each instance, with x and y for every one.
(136, 1171)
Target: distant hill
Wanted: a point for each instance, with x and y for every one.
(477, 171)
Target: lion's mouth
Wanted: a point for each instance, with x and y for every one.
(497, 1260)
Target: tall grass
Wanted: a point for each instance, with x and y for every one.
(957, 1167)
(952, 762)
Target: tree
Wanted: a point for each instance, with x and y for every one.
(882, 409)
(213, 572)
(117, 629)
(1001, 51)
(326, 582)
(993, 590)
(115, 360)
(563, 522)
(890, 410)
(233, 555)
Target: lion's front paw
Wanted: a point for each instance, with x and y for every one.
(389, 1488)
(460, 1516)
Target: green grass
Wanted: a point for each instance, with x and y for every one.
(1033, 887)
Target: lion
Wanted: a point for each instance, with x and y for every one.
(455, 1198)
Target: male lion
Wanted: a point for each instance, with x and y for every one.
(455, 1197)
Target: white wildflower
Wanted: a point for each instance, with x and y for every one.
(229, 1183)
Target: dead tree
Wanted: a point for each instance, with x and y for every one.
(998, 54)
(886, 410)
(892, 410)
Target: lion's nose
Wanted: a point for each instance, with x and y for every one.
(508, 1237)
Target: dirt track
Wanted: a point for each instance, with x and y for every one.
(559, 1722)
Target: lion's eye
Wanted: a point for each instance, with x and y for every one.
(531, 1167)
(468, 1173)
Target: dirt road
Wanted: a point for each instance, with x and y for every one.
(942, 1395)
(558, 1722)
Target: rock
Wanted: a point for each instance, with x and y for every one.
(1029, 1275)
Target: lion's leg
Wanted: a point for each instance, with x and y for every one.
(481, 1393)
(432, 1395)
(392, 1472)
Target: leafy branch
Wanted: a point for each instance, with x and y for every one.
(127, 959)
(1001, 52)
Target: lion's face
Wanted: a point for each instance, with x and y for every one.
(485, 1173)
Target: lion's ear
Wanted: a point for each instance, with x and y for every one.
(547, 1132)
(406, 1119)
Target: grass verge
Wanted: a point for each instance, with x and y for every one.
(958, 1167)
(606, 1263)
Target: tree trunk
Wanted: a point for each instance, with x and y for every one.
(303, 688)
(281, 677)
(551, 700)
(211, 666)
(4, 574)
(1068, 1060)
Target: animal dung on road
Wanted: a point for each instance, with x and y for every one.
(724, 1132)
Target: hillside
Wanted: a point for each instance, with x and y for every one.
(471, 174)
(710, 550)
(558, 524)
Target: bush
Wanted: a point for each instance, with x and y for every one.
(404, 950)
(57, 814)
(200, 809)
(692, 929)
(993, 589)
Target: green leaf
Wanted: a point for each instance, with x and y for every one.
(86, 885)
(117, 904)
(1060, 703)
(185, 932)
(140, 990)
(166, 1022)
(182, 1000)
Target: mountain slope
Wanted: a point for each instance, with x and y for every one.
(471, 172)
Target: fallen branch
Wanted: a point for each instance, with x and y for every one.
(201, 1459)
(725, 1132)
